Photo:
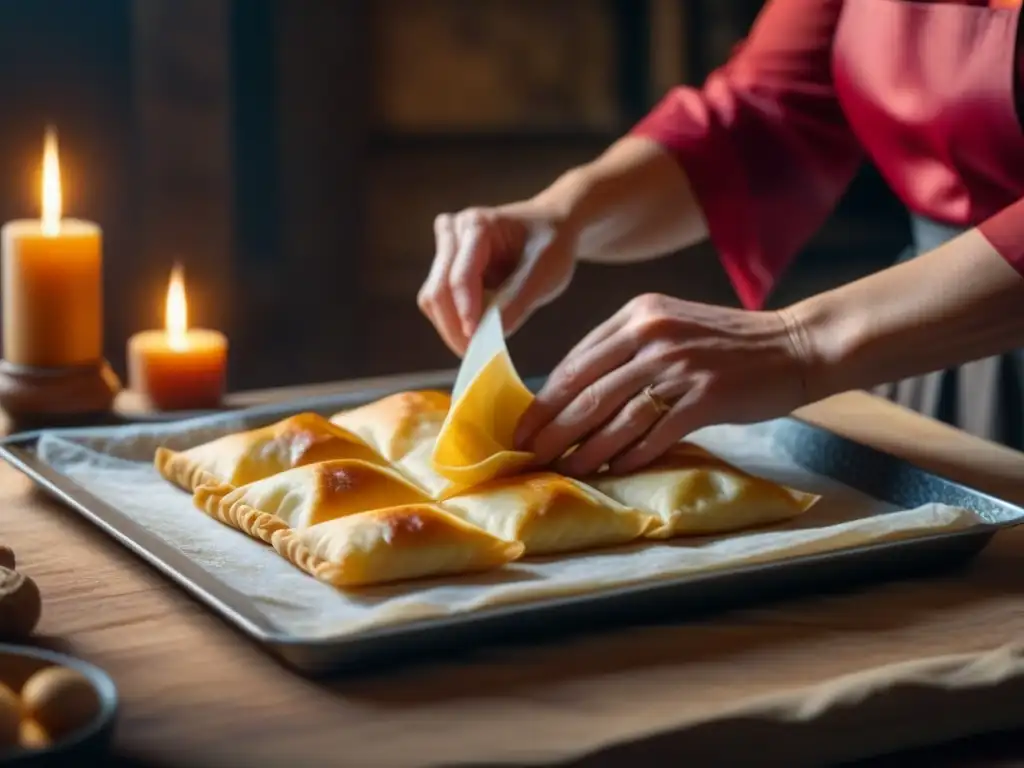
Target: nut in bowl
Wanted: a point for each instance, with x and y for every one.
(54, 709)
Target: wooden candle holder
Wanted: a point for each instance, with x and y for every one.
(48, 397)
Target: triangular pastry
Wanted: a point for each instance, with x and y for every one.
(476, 443)
(694, 492)
(403, 429)
(305, 496)
(244, 457)
(549, 514)
(387, 545)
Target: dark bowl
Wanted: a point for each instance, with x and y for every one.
(89, 743)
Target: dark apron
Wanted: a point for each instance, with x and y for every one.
(985, 398)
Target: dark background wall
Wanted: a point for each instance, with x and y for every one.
(293, 154)
(67, 63)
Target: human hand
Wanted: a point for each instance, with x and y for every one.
(657, 370)
(478, 250)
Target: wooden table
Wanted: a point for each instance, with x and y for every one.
(195, 693)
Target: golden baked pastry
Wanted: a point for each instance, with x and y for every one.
(403, 429)
(413, 485)
(387, 545)
(549, 513)
(693, 492)
(475, 445)
(304, 496)
(246, 457)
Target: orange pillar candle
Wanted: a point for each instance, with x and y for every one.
(52, 282)
(178, 368)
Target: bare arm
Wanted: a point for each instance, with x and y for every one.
(958, 303)
(632, 203)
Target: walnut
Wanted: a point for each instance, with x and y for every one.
(20, 605)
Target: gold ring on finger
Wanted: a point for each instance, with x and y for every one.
(657, 401)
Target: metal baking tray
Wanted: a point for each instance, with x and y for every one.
(877, 474)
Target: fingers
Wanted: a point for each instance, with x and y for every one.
(627, 426)
(691, 412)
(466, 277)
(595, 404)
(523, 300)
(598, 335)
(482, 248)
(571, 378)
(526, 288)
(434, 298)
(563, 385)
(472, 248)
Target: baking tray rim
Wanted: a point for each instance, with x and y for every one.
(238, 610)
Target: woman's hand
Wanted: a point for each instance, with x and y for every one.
(632, 203)
(478, 250)
(658, 370)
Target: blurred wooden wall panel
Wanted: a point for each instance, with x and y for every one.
(322, 112)
(182, 100)
(464, 65)
(67, 64)
(668, 53)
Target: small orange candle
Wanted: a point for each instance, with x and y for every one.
(52, 282)
(178, 368)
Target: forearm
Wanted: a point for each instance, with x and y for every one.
(632, 203)
(958, 303)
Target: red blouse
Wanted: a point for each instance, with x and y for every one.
(925, 89)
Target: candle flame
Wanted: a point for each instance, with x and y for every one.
(176, 314)
(52, 202)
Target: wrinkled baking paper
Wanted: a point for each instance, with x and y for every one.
(475, 443)
(115, 464)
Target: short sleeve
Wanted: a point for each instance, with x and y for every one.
(1005, 231)
(764, 143)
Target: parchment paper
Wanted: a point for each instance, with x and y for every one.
(115, 464)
